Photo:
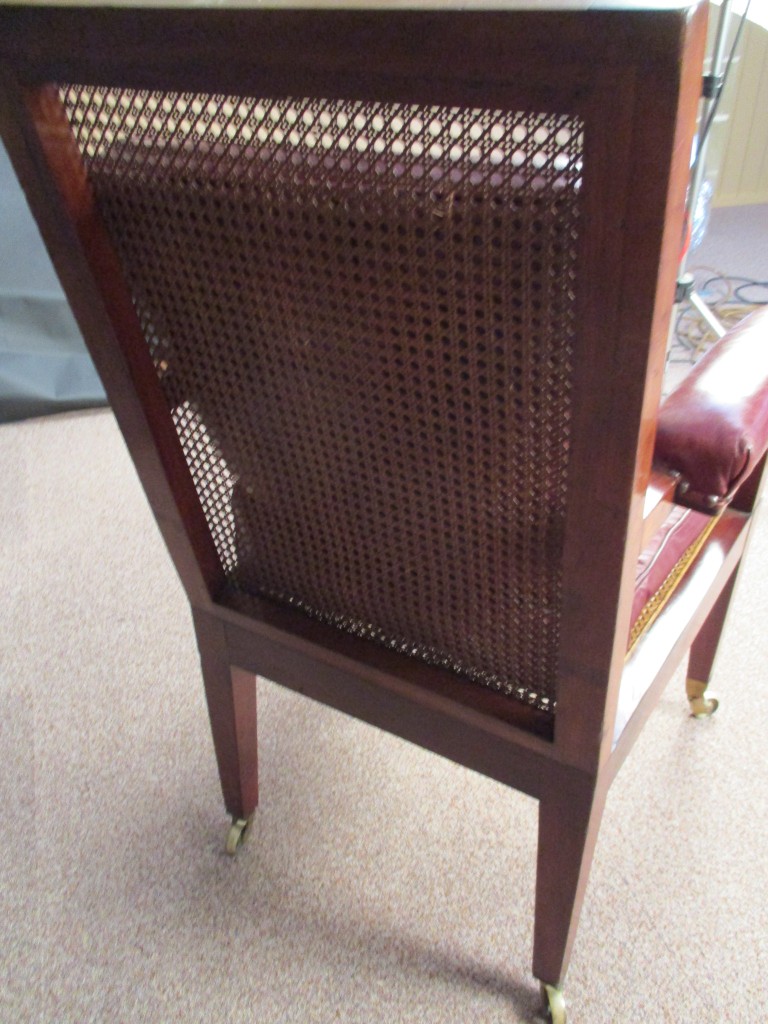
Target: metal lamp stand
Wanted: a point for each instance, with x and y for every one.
(713, 84)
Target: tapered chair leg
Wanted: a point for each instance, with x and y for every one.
(702, 656)
(231, 696)
(570, 811)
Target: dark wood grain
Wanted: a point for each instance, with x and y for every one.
(607, 523)
(658, 503)
(633, 78)
(287, 626)
(417, 713)
(42, 151)
(703, 651)
(570, 810)
(306, 52)
(231, 696)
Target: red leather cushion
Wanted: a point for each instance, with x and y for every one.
(667, 555)
(713, 429)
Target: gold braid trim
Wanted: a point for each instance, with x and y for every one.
(655, 604)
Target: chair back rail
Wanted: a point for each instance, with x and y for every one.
(627, 86)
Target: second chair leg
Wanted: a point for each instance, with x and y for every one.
(702, 656)
(231, 696)
(570, 811)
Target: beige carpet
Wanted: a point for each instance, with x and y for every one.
(381, 884)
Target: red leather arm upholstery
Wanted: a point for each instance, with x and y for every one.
(713, 430)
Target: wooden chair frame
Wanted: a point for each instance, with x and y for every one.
(634, 78)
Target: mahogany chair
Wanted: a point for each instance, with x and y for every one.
(380, 299)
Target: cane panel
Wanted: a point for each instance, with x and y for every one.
(362, 316)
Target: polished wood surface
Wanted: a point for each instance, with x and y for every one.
(658, 502)
(634, 79)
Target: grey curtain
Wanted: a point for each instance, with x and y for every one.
(44, 365)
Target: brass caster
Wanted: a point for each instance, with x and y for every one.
(702, 703)
(553, 997)
(236, 836)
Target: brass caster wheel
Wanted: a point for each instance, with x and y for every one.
(702, 703)
(236, 836)
(555, 1003)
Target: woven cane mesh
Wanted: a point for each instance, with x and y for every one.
(362, 317)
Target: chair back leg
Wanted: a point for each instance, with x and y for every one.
(231, 696)
(704, 647)
(570, 810)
